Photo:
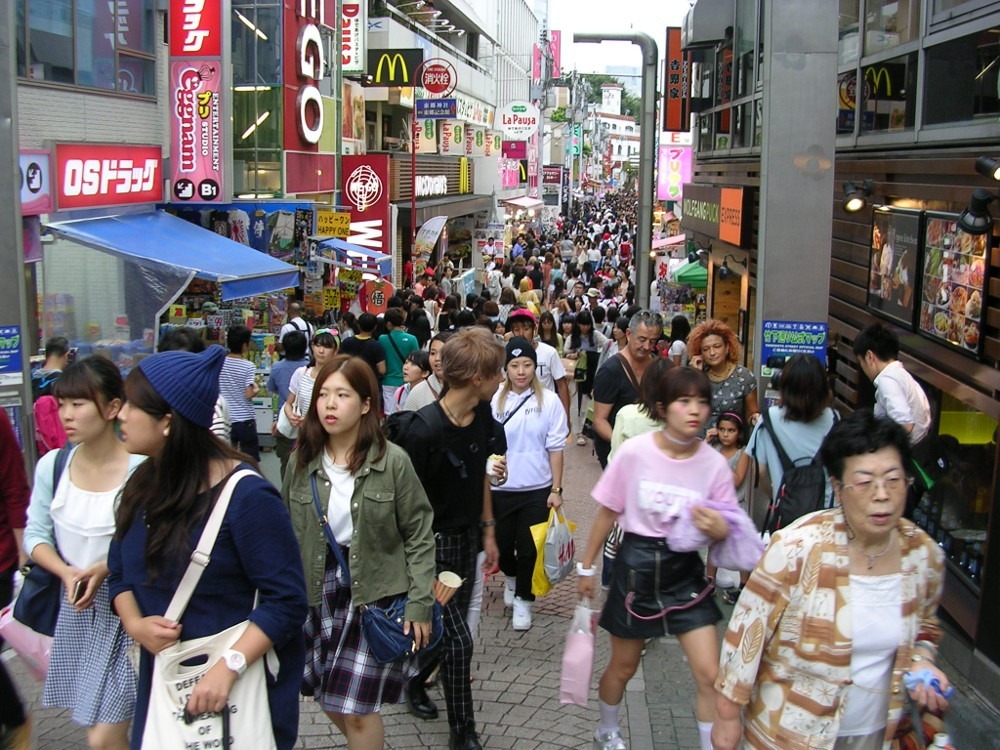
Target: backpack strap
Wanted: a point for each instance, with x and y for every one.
(62, 458)
(786, 462)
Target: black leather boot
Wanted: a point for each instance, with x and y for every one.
(418, 702)
(464, 738)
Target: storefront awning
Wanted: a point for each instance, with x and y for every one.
(347, 255)
(677, 239)
(160, 239)
(524, 201)
(451, 206)
(692, 274)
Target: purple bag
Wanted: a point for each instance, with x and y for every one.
(578, 657)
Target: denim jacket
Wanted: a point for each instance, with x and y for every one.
(392, 546)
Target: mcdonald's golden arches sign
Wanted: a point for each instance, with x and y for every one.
(393, 67)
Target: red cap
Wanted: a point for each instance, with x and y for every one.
(428, 271)
(522, 312)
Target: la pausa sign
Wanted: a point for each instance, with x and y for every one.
(519, 120)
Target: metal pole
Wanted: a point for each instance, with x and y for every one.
(414, 132)
(15, 386)
(647, 154)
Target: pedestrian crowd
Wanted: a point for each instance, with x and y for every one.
(428, 442)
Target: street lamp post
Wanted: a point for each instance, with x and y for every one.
(647, 143)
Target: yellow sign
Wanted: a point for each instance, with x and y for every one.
(331, 298)
(333, 224)
(349, 281)
(178, 311)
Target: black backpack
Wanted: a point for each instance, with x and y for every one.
(803, 485)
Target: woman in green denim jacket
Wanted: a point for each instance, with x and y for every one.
(379, 514)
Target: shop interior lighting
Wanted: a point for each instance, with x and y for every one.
(250, 25)
(856, 196)
(725, 271)
(987, 166)
(976, 219)
(251, 88)
(260, 121)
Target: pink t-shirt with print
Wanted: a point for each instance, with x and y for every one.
(648, 489)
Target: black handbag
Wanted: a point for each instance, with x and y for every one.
(381, 622)
(37, 605)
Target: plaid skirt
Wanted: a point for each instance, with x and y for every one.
(89, 670)
(340, 673)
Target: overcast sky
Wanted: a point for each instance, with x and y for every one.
(611, 16)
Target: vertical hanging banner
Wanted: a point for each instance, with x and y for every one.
(353, 33)
(197, 144)
(672, 172)
(677, 81)
(366, 192)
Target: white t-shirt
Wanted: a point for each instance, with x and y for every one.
(876, 628)
(899, 397)
(679, 348)
(423, 393)
(338, 510)
(550, 366)
(296, 324)
(532, 434)
(594, 255)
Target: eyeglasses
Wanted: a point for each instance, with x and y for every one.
(892, 484)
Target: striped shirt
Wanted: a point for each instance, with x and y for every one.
(236, 375)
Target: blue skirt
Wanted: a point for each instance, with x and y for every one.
(89, 671)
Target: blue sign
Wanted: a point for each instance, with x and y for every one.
(436, 109)
(783, 338)
(10, 349)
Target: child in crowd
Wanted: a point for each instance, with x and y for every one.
(730, 445)
(416, 369)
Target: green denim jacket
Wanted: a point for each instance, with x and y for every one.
(392, 547)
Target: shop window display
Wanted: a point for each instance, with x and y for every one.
(962, 78)
(888, 91)
(849, 30)
(955, 512)
(890, 23)
(89, 43)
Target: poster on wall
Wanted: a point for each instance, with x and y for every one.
(353, 124)
(953, 284)
(892, 269)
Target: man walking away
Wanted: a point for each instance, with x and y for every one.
(238, 387)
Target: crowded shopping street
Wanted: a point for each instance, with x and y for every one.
(463, 374)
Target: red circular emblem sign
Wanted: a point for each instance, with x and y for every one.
(439, 79)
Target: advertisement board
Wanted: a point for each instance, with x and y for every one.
(518, 120)
(352, 36)
(196, 136)
(36, 182)
(892, 268)
(780, 339)
(195, 28)
(676, 77)
(365, 192)
(92, 176)
(673, 171)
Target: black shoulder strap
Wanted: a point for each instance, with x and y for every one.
(786, 462)
(518, 407)
(60, 465)
(629, 372)
(330, 539)
(398, 353)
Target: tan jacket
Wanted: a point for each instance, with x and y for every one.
(787, 651)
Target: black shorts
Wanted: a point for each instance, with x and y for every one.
(657, 578)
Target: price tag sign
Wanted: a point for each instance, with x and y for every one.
(331, 298)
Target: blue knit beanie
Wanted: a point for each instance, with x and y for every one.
(188, 382)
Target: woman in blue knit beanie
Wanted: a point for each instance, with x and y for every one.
(164, 507)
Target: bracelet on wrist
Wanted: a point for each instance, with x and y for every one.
(929, 645)
(487, 524)
(585, 572)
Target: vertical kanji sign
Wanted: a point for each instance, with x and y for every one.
(677, 83)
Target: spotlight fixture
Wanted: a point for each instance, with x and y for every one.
(988, 167)
(725, 271)
(976, 219)
(698, 253)
(856, 196)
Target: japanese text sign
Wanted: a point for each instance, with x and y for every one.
(88, 175)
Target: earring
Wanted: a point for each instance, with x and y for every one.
(166, 432)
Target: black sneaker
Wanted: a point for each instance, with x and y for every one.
(464, 738)
(418, 702)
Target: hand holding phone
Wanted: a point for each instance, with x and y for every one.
(78, 591)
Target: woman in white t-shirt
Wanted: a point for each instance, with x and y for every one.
(680, 329)
(71, 520)
(653, 480)
(325, 343)
(534, 422)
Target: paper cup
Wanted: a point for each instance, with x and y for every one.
(445, 586)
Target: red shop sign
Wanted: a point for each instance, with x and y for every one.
(90, 176)
(195, 28)
(365, 191)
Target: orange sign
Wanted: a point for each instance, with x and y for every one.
(731, 216)
(375, 296)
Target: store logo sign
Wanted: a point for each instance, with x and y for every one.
(36, 188)
(366, 190)
(90, 176)
(352, 36)
(304, 69)
(394, 67)
(195, 28)
(519, 120)
(431, 185)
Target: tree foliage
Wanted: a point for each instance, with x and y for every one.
(590, 87)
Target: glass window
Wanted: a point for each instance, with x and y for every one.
(724, 74)
(705, 142)
(746, 43)
(961, 80)
(257, 140)
(722, 124)
(742, 125)
(256, 34)
(889, 95)
(889, 23)
(79, 42)
(847, 102)
(848, 48)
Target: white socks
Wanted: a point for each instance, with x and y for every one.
(609, 718)
(705, 734)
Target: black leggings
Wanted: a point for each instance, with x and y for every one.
(516, 513)
(11, 708)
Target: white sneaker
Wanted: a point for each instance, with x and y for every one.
(522, 614)
(508, 592)
(610, 741)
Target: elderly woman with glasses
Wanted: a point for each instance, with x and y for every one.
(840, 608)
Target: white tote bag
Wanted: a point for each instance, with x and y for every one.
(178, 668)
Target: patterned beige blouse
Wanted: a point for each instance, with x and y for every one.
(787, 651)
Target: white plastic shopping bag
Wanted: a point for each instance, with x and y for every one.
(559, 547)
(32, 647)
(578, 657)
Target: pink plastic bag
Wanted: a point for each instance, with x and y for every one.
(32, 647)
(578, 657)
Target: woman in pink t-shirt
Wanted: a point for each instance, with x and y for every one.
(652, 480)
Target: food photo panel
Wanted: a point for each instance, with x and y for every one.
(953, 284)
(892, 269)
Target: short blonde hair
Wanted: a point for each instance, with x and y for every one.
(471, 353)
